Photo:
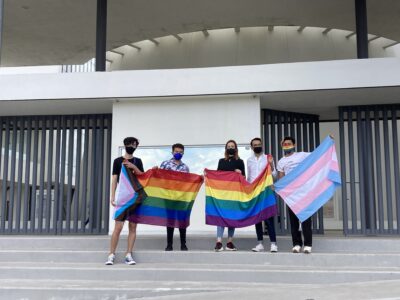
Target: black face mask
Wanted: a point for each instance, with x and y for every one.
(129, 150)
(231, 151)
(257, 150)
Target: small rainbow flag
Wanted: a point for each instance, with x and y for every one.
(233, 202)
(170, 198)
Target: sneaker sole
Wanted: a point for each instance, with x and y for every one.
(130, 264)
(229, 249)
(219, 250)
(109, 264)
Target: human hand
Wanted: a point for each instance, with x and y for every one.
(128, 164)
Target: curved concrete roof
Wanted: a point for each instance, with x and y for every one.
(43, 32)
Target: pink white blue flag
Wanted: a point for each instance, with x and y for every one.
(313, 182)
(125, 195)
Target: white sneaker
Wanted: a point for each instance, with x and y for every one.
(296, 249)
(129, 260)
(274, 247)
(110, 260)
(307, 249)
(258, 248)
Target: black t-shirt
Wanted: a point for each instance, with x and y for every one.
(231, 165)
(117, 165)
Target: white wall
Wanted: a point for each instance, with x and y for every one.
(252, 45)
(191, 121)
(338, 74)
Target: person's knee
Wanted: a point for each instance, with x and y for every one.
(118, 227)
(132, 227)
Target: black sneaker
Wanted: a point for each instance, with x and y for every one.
(184, 248)
(218, 247)
(230, 247)
(168, 248)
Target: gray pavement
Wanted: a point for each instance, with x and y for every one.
(73, 268)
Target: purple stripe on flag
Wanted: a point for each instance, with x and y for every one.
(158, 221)
(263, 215)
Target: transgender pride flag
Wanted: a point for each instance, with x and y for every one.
(125, 195)
(312, 183)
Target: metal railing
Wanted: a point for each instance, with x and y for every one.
(90, 66)
(369, 154)
(55, 174)
(305, 129)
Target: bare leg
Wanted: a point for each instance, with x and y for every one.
(115, 236)
(131, 237)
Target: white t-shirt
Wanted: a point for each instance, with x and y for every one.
(288, 163)
(256, 165)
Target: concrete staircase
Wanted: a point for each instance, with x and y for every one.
(38, 267)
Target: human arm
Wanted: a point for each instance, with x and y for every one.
(114, 182)
(132, 167)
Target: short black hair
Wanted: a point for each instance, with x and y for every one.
(255, 139)
(289, 138)
(131, 140)
(178, 145)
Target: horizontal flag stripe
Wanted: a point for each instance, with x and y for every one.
(306, 175)
(151, 220)
(263, 215)
(170, 194)
(162, 212)
(296, 193)
(317, 203)
(168, 204)
(237, 186)
(229, 175)
(238, 205)
(310, 195)
(170, 175)
(171, 184)
(235, 196)
(305, 164)
(213, 209)
(334, 176)
(335, 166)
(121, 209)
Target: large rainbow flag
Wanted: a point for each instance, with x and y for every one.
(313, 182)
(170, 198)
(233, 202)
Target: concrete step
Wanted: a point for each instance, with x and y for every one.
(266, 259)
(321, 244)
(194, 273)
(37, 267)
(123, 290)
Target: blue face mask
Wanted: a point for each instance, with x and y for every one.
(178, 156)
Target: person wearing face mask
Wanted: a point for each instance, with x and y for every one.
(286, 164)
(230, 162)
(176, 164)
(255, 165)
(135, 165)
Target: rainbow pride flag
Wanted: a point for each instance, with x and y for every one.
(313, 182)
(170, 198)
(233, 202)
(125, 195)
